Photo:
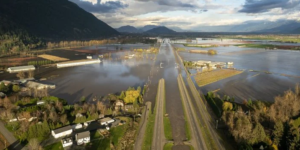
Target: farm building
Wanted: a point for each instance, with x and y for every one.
(106, 121)
(77, 63)
(61, 132)
(39, 86)
(83, 137)
(20, 68)
(66, 142)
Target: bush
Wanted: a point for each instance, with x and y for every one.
(212, 52)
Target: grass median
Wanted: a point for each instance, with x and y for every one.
(168, 146)
(167, 123)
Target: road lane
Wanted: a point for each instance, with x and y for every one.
(159, 136)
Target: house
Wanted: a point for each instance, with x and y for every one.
(106, 121)
(61, 132)
(13, 120)
(20, 68)
(40, 102)
(119, 105)
(77, 126)
(6, 82)
(67, 142)
(128, 107)
(2, 95)
(101, 116)
(78, 115)
(39, 86)
(89, 57)
(83, 137)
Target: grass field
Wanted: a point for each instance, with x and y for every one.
(103, 144)
(53, 58)
(55, 146)
(206, 78)
(168, 146)
(265, 46)
(167, 123)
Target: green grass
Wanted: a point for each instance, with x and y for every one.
(147, 142)
(186, 125)
(116, 134)
(95, 135)
(257, 46)
(202, 46)
(167, 123)
(55, 146)
(191, 147)
(168, 146)
(103, 144)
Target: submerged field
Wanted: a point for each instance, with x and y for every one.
(214, 76)
(268, 73)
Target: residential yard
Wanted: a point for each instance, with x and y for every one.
(52, 57)
(55, 146)
(103, 144)
(206, 78)
(168, 146)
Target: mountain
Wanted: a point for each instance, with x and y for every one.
(177, 29)
(147, 27)
(280, 26)
(51, 19)
(160, 30)
(128, 29)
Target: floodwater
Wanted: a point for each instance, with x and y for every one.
(110, 76)
(255, 85)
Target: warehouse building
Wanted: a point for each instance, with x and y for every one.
(77, 63)
(20, 68)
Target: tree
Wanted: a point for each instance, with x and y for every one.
(21, 75)
(293, 138)
(82, 99)
(16, 88)
(30, 74)
(277, 132)
(3, 88)
(227, 106)
(34, 144)
(63, 119)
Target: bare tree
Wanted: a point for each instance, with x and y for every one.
(101, 107)
(30, 74)
(63, 119)
(34, 144)
(21, 75)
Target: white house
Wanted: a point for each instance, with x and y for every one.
(20, 68)
(106, 121)
(83, 137)
(40, 102)
(61, 132)
(89, 57)
(66, 142)
(77, 126)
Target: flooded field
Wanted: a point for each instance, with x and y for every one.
(268, 73)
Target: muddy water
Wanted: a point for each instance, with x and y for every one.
(254, 85)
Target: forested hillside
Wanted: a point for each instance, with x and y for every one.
(28, 24)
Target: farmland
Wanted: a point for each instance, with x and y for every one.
(214, 76)
(53, 58)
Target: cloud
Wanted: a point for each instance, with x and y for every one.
(174, 3)
(99, 6)
(260, 6)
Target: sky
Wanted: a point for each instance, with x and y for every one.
(189, 14)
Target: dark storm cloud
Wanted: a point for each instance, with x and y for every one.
(259, 6)
(175, 3)
(109, 6)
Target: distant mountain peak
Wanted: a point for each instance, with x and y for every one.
(161, 30)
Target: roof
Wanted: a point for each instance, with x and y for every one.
(78, 61)
(83, 135)
(22, 67)
(63, 129)
(106, 119)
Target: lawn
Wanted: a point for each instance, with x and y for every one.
(95, 135)
(55, 146)
(206, 78)
(103, 144)
(116, 134)
(168, 146)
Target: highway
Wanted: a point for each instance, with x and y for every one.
(197, 140)
(158, 135)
